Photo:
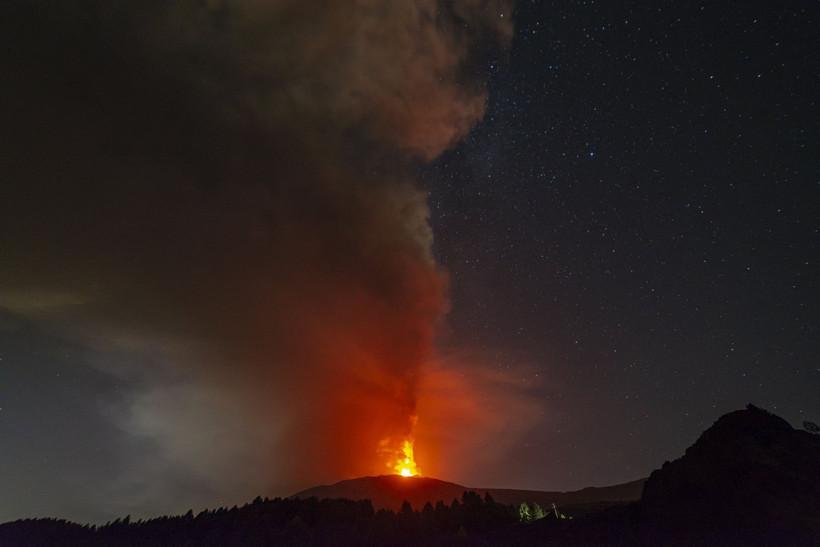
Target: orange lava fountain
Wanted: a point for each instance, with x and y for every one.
(406, 464)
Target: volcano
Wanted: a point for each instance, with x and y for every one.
(390, 491)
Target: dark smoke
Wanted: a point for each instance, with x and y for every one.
(215, 198)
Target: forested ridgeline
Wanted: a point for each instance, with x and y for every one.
(281, 522)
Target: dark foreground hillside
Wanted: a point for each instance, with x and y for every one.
(749, 480)
(749, 477)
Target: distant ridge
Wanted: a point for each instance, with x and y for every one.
(389, 491)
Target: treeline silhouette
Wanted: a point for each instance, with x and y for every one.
(281, 522)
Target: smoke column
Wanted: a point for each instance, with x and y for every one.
(215, 198)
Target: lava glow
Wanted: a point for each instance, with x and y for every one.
(406, 464)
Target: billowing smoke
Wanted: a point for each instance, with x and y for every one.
(215, 197)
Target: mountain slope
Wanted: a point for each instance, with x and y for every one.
(749, 479)
(389, 491)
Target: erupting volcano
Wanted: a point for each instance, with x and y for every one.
(406, 465)
(398, 456)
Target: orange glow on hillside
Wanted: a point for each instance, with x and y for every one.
(405, 465)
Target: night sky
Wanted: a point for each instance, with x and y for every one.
(217, 277)
(638, 216)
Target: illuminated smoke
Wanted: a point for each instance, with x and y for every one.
(215, 197)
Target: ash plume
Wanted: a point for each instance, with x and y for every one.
(216, 199)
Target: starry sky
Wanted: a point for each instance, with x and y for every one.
(593, 230)
(639, 216)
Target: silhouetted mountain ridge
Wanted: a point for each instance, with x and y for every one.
(389, 491)
(750, 475)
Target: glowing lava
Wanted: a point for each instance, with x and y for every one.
(406, 464)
